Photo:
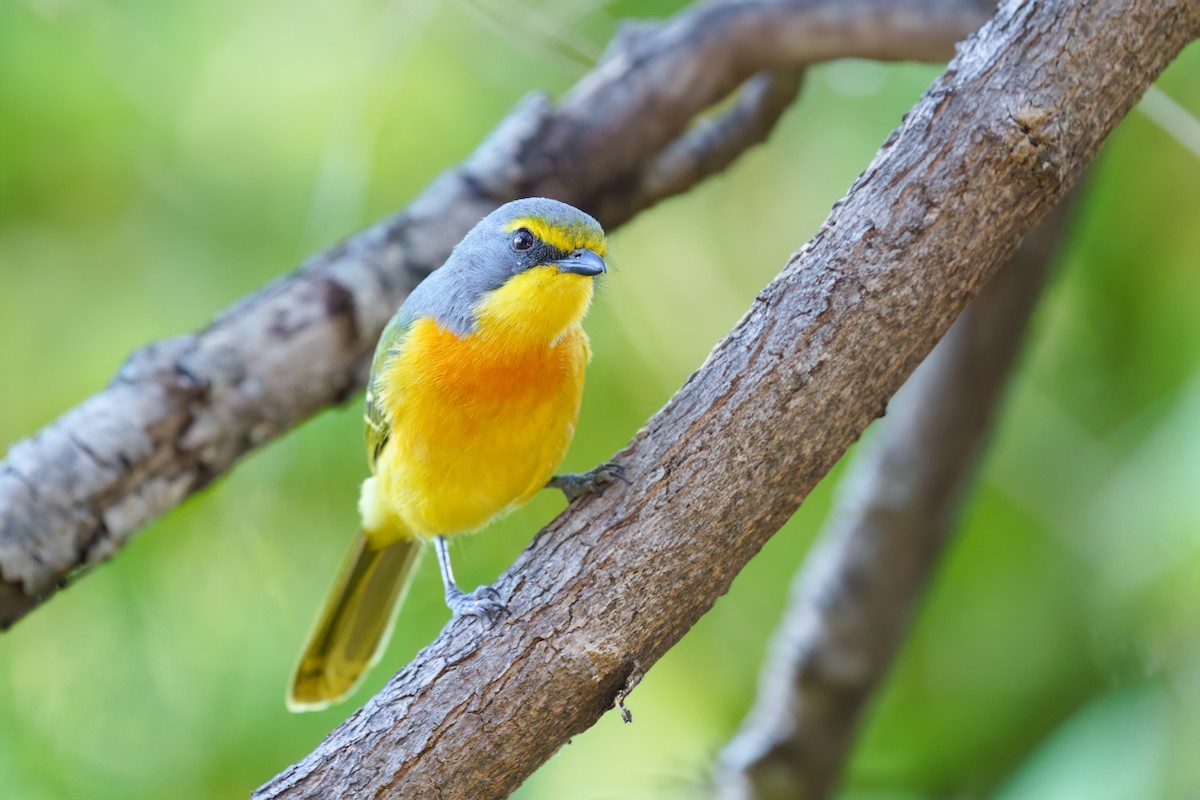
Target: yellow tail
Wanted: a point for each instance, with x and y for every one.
(354, 624)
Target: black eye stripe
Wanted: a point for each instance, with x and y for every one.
(531, 251)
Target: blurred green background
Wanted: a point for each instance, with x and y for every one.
(160, 160)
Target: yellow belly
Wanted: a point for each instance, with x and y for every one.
(477, 429)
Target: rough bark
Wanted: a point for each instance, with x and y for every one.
(181, 412)
(612, 583)
(852, 601)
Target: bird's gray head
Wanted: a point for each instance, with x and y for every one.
(527, 266)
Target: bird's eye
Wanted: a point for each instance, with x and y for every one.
(522, 239)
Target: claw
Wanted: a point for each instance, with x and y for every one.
(584, 484)
(483, 603)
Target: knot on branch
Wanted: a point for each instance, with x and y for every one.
(161, 361)
(1032, 142)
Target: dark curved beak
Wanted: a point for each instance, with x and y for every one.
(581, 262)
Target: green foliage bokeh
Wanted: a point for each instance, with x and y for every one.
(160, 160)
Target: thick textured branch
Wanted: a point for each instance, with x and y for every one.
(852, 601)
(182, 411)
(613, 582)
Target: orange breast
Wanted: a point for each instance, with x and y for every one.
(478, 426)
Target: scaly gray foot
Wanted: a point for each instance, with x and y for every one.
(484, 602)
(583, 484)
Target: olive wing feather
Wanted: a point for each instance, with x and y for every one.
(378, 427)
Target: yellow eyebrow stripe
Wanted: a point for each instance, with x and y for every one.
(565, 239)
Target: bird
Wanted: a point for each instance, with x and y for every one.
(471, 404)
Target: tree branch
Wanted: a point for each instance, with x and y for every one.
(612, 583)
(852, 601)
(180, 412)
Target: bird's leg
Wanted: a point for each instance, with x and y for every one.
(483, 602)
(582, 484)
